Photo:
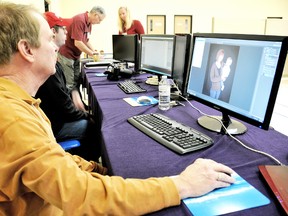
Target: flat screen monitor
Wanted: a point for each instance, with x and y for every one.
(157, 52)
(182, 52)
(126, 48)
(239, 75)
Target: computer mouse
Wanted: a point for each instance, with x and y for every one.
(144, 100)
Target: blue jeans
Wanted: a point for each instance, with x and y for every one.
(88, 133)
(73, 130)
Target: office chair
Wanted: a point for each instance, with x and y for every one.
(69, 144)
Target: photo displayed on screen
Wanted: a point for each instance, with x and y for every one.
(236, 74)
(220, 71)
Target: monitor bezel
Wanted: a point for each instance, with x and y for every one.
(185, 61)
(275, 85)
(135, 57)
(156, 71)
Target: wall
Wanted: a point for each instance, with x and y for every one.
(206, 14)
(229, 16)
(203, 13)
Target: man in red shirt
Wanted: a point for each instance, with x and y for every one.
(78, 34)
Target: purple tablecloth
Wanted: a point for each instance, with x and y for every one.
(131, 154)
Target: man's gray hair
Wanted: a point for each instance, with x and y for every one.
(98, 9)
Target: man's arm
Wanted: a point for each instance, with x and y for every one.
(88, 44)
(56, 99)
(77, 100)
(88, 49)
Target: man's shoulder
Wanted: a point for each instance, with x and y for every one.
(79, 17)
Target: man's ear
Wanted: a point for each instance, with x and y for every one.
(53, 30)
(26, 50)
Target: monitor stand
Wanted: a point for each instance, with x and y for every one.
(153, 80)
(234, 127)
(176, 94)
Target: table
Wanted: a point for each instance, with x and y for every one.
(131, 154)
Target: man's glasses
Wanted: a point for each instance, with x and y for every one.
(99, 17)
(63, 27)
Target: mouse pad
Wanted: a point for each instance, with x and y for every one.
(133, 101)
(238, 196)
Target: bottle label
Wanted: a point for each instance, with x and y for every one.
(164, 90)
(164, 97)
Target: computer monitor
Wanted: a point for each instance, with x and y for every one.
(239, 75)
(157, 53)
(126, 49)
(182, 52)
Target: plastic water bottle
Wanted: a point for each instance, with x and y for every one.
(164, 94)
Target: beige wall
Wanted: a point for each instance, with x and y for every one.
(228, 16)
(247, 13)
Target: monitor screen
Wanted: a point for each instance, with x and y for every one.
(125, 48)
(157, 54)
(239, 75)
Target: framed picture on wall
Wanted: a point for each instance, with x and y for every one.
(156, 24)
(182, 24)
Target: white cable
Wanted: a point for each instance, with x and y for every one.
(237, 140)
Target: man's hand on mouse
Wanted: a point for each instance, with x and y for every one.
(201, 177)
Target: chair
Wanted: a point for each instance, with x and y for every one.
(69, 144)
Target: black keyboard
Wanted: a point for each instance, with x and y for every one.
(130, 87)
(170, 133)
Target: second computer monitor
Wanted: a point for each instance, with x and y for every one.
(126, 48)
(157, 53)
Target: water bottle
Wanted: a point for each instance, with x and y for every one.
(164, 94)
